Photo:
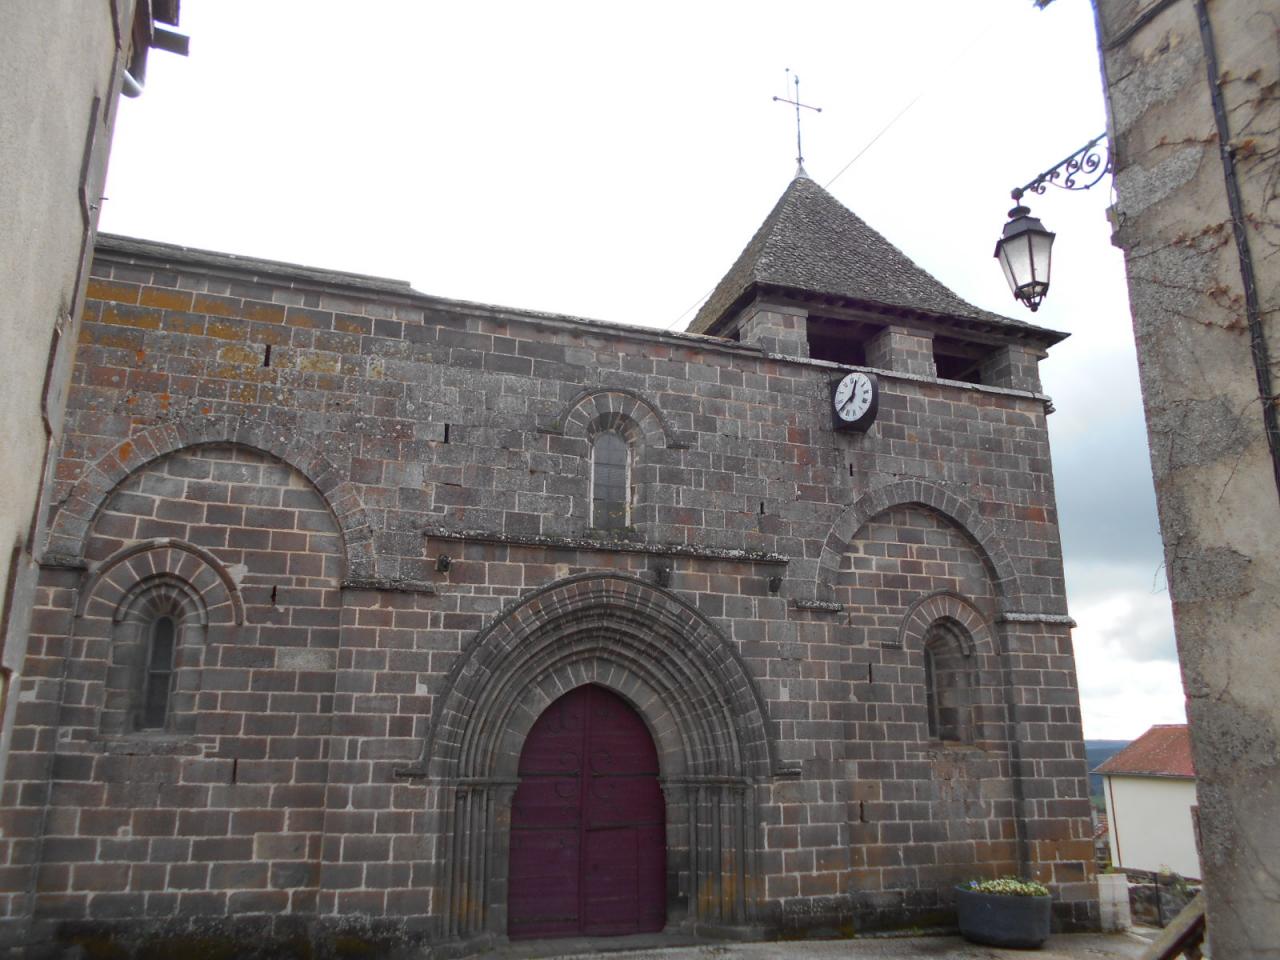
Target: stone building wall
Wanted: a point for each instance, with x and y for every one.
(60, 67)
(1204, 287)
(371, 511)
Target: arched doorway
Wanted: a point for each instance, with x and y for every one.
(676, 669)
(588, 823)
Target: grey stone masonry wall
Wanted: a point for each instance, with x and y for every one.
(904, 351)
(1015, 366)
(775, 328)
(367, 511)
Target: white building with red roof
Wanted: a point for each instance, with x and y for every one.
(1150, 790)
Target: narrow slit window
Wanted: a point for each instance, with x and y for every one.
(155, 697)
(946, 678)
(610, 464)
(931, 693)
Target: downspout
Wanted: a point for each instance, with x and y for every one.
(1257, 341)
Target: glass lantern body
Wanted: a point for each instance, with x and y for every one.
(1025, 252)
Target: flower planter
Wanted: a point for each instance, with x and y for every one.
(999, 920)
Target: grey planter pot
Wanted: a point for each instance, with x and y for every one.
(1003, 921)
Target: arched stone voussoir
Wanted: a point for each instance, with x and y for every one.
(946, 605)
(619, 408)
(645, 644)
(113, 581)
(956, 509)
(71, 523)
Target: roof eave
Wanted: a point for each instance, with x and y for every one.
(1013, 330)
(1148, 774)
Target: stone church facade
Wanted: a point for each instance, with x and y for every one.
(334, 568)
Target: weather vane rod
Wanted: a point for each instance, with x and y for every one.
(797, 104)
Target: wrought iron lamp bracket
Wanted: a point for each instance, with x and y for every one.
(1071, 173)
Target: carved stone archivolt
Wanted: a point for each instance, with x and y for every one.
(680, 675)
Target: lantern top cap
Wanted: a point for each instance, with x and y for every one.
(1020, 222)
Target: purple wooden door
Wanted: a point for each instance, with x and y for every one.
(588, 824)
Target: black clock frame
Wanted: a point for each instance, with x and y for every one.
(864, 422)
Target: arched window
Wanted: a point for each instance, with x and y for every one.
(158, 680)
(947, 651)
(157, 632)
(610, 483)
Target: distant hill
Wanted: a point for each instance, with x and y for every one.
(1096, 751)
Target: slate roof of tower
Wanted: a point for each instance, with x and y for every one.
(811, 243)
(1163, 751)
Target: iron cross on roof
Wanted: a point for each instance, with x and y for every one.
(797, 104)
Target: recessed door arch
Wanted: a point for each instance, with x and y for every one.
(696, 696)
(588, 823)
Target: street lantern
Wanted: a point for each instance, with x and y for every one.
(1025, 251)
(1025, 247)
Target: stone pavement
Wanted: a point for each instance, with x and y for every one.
(1118, 946)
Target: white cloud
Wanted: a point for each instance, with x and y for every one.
(1125, 607)
(1125, 661)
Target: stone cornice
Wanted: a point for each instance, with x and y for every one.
(607, 546)
(1055, 618)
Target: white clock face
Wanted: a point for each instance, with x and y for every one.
(853, 396)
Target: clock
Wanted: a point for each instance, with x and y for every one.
(855, 398)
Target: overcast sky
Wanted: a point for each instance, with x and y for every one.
(611, 162)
